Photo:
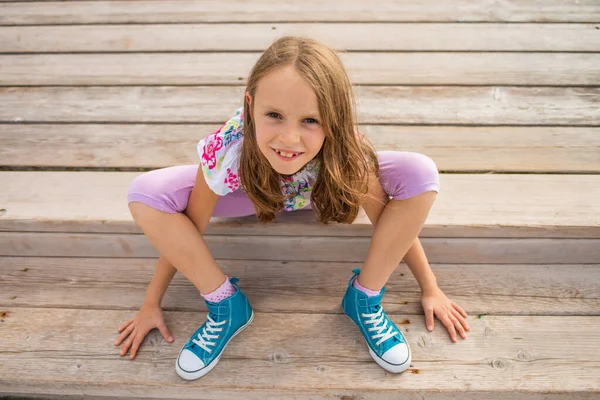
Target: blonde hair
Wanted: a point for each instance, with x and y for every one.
(345, 161)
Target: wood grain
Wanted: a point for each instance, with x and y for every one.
(544, 201)
(278, 352)
(464, 149)
(376, 105)
(340, 36)
(301, 287)
(421, 68)
(499, 204)
(19, 12)
(306, 248)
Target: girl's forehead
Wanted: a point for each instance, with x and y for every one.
(286, 90)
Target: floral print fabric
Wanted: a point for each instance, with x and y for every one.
(220, 155)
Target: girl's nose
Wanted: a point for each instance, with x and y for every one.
(290, 136)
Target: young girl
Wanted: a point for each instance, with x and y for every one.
(293, 145)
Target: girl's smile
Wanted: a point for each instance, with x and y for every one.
(287, 155)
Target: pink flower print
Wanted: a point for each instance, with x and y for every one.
(208, 155)
(232, 181)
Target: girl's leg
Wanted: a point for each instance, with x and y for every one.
(158, 199)
(412, 180)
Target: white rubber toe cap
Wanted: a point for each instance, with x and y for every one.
(189, 362)
(397, 354)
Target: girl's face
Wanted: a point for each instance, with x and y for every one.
(286, 116)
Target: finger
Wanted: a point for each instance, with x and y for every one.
(450, 326)
(136, 346)
(125, 333)
(162, 328)
(125, 324)
(461, 319)
(138, 338)
(460, 309)
(429, 319)
(127, 344)
(458, 325)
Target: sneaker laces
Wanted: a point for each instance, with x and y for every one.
(210, 327)
(380, 323)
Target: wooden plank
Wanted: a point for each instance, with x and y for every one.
(465, 149)
(341, 36)
(376, 105)
(274, 286)
(484, 205)
(279, 352)
(304, 220)
(88, 12)
(529, 69)
(306, 248)
(314, 394)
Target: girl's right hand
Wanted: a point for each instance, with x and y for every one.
(135, 330)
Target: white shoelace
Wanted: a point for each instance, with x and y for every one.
(211, 326)
(376, 320)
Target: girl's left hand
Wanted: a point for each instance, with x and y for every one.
(434, 301)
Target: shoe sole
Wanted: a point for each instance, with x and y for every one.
(394, 368)
(190, 376)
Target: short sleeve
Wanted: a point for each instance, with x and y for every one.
(219, 155)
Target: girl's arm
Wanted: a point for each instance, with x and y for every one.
(419, 266)
(165, 271)
(434, 301)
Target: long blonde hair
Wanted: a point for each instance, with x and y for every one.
(345, 162)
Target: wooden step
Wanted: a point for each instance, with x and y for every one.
(298, 354)
(300, 286)
(468, 205)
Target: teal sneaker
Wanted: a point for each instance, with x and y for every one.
(387, 345)
(204, 349)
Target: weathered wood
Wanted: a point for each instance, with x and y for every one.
(306, 287)
(376, 105)
(495, 205)
(341, 36)
(519, 252)
(548, 69)
(314, 394)
(290, 352)
(304, 220)
(306, 248)
(544, 201)
(88, 12)
(465, 149)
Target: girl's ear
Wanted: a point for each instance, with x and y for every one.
(248, 99)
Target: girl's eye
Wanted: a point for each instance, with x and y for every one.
(275, 115)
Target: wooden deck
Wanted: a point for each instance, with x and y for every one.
(504, 96)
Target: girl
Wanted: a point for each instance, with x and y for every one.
(293, 145)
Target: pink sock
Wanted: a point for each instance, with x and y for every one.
(224, 291)
(369, 292)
